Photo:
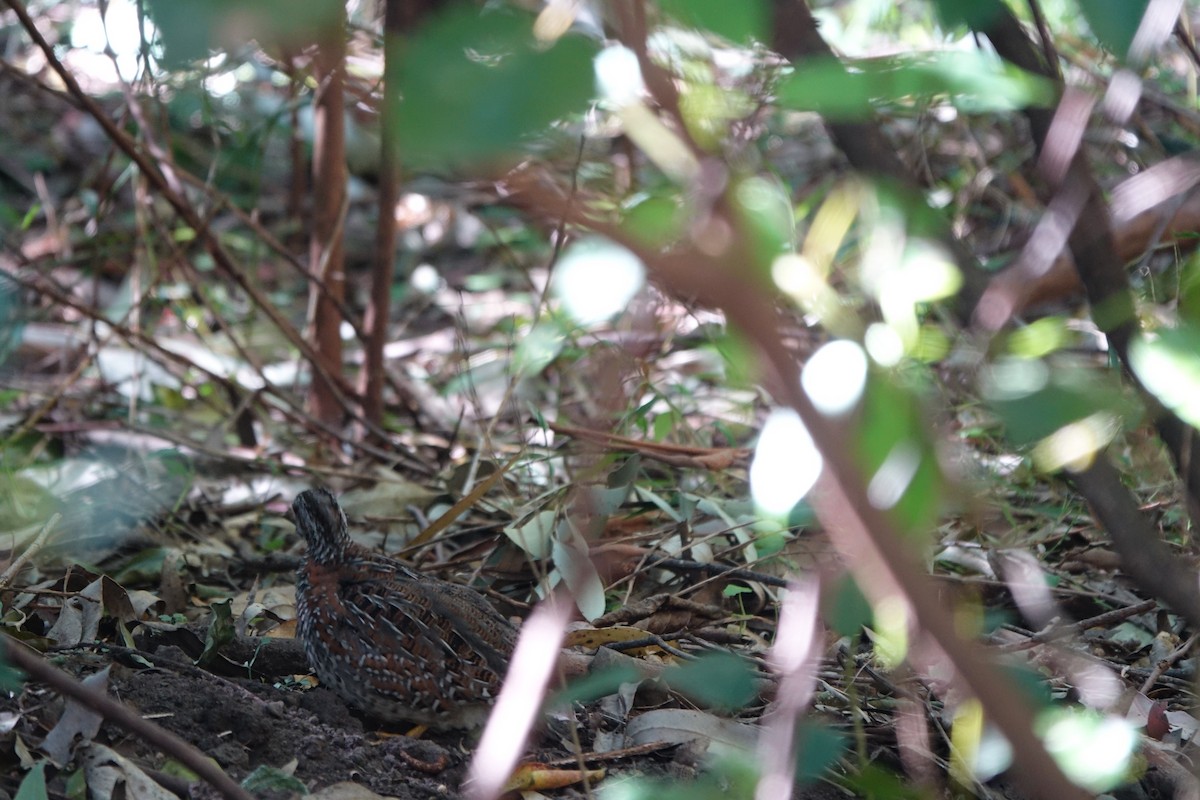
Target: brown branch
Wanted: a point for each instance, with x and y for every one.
(1093, 247)
(326, 255)
(375, 321)
(1144, 556)
(876, 550)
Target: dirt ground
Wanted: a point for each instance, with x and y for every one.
(245, 724)
(248, 723)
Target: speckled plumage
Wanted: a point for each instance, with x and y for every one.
(396, 644)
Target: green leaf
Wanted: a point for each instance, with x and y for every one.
(818, 746)
(1034, 399)
(897, 458)
(569, 552)
(220, 631)
(33, 785)
(846, 609)
(1029, 684)
(1114, 22)
(721, 681)
(1168, 364)
(728, 775)
(190, 29)
(272, 780)
(534, 535)
(977, 14)
(654, 220)
(971, 81)
(12, 317)
(473, 84)
(11, 678)
(23, 502)
(1095, 750)
(538, 349)
(626, 472)
(877, 781)
(738, 21)
(1189, 290)
(594, 685)
(764, 212)
(1041, 337)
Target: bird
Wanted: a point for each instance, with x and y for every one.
(397, 645)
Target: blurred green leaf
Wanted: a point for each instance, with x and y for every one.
(764, 211)
(539, 348)
(708, 110)
(737, 356)
(731, 775)
(1167, 362)
(975, 14)
(174, 768)
(23, 502)
(569, 552)
(876, 781)
(817, 748)
(892, 444)
(33, 785)
(12, 317)
(721, 681)
(1034, 399)
(1114, 22)
(11, 678)
(626, 472)
(846, 609)
(971, 81)
(740, 21)
(664, 425)
(595, 685)
(473, 84)
(1030, 684)
(174, 464)
(534, 534)
(1189, 290)
(190, 29)
(1041, 337)
(1095, 750)
(655, 220)
(144, 566)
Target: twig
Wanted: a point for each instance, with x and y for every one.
(717, 570)
(1074, 629)
(148, 346)
(32, 550)
(1162, 666)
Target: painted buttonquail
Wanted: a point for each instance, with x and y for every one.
(393, 643)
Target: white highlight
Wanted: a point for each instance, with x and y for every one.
(786, 463)
(525, 684)
(619, 76)
(835, 376)
(596, 279)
